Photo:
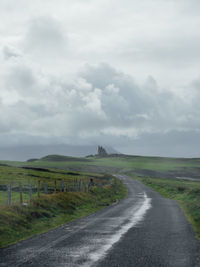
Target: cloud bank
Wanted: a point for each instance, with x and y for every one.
(87, 73)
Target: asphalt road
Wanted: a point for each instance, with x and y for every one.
(144, 229)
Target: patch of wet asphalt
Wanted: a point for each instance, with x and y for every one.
(144, 229)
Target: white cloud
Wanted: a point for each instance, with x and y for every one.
(53, 82)
(10, 52)
(45, 38)
(100, 98)
(98, 103)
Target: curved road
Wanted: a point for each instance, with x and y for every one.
(144, 229)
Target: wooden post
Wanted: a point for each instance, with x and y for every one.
(62, 186)
(30, 192)
(45, 189)
(20, 193)
(80, 185)
(85, 187)
(9, 195)
(65, 187)
(38, 189)
(55, 186)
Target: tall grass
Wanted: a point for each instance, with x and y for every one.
(18, 222)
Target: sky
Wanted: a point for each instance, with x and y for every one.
(118, 73)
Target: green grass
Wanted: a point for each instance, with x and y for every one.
(50, 210)
(15, 197)
(46, 212)
(17, 177)
(156, 166)
(149, 169)
(187, 193)
(17, 174)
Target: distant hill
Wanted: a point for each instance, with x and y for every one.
(62, 158)
(23, 153)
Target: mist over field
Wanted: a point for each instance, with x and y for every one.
(25, 152)
(83, 73)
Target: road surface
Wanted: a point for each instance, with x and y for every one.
(144, 229)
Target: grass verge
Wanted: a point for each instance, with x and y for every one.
(18, 223)
(187, 193)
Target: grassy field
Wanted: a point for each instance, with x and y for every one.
(141, 166)
(187, 193)
(48, 211)
(52, 208)
(160, 173)
(27, 177)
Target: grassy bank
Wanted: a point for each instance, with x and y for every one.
(46, 212)
(125, 164)
(187, 193)
(66, 169)
(39, 181)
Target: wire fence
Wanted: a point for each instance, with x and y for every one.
(23, 193)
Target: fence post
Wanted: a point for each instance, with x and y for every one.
(74, 185)
(80, 185)
(9, 195)
(61, 186)
(20, 193)
(30, 192)
(45, 189)
(85, 187)
(65, 187)
(38, 189)
(55, 186)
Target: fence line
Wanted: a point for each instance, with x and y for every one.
(23, 193)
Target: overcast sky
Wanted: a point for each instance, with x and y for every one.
(111, 72)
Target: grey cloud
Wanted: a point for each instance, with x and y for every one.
(100, 75)
(87, 105)
(10, 52)
(45, 37)
(134, 119)
(20, 78)
(43, 94)
(121, 96)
